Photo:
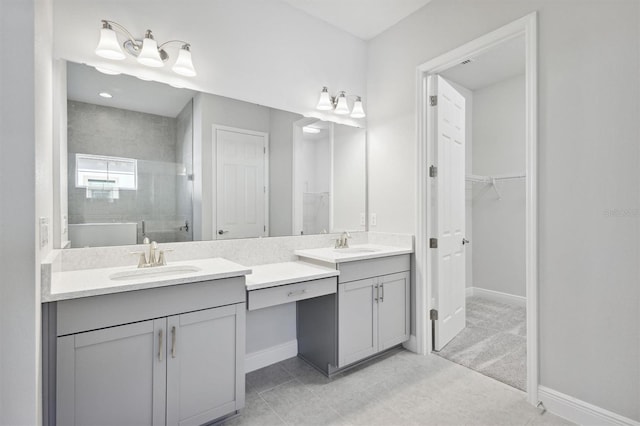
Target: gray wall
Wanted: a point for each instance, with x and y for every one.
(499, 225)
(281, 171)
(589, 173)
(26, 192)
(349, 171)
(152, 140)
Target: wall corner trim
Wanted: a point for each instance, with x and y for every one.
(579, 411)
(265, 357)
(411, 344)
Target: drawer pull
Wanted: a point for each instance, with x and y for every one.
(296, 293)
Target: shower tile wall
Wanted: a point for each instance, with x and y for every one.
(158, 143)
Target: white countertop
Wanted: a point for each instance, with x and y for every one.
(355, 252)
(94, 282)
(275, 274)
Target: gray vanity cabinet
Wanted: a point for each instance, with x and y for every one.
(114, 376)
(170, 355)
(358, 317)
(373, 316)
(201, 354)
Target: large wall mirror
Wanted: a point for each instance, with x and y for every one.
(145, 159)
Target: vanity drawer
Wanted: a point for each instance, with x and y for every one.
(362, 269)
(288, 293)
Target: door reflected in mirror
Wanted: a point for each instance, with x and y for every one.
(178, 165)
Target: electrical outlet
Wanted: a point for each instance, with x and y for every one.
(374, 219)
(44, 232)
(363, 218)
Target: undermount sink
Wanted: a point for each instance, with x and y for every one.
(158, 272)
(355, 250)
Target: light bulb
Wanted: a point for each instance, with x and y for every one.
(149, 55)
(108, 46)
(324, 103)
(358, 111)
(342, 107)
(183, 65)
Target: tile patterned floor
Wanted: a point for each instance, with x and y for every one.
(400, 388)
(494, 341)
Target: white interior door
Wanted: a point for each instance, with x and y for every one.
(449, 271)
(240, 184)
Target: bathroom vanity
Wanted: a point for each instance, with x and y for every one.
(369, 313)
(165, 347)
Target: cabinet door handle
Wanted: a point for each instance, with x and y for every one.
(382, 295)
(173, 341)
(296, 293)
(160, 345)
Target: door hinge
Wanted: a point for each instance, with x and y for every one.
(433, 171)
(433, 314)
(433, 243)
(433, 100)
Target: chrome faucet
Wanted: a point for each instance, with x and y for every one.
(153, 259)
(343, 241)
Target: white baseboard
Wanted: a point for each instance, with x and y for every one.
(580, 412)
(411, 344)
(257, 360)
(497, 296)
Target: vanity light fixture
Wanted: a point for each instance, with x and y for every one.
(147, 51)
(339, 104)
(105, 95)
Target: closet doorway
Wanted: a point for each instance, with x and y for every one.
(477, 266)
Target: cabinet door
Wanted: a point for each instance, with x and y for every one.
(393, 309)
(357, 319)
(205, 364)
(113, 376)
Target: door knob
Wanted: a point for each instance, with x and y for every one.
(465, 241)
(220, 232)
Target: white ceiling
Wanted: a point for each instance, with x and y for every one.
(130, 93)
(364, 19)
(498, 64)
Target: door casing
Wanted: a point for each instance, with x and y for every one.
(526, 26)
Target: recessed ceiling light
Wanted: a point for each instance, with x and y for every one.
(311, 130)
(106, 95)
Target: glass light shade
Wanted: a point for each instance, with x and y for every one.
(358, 111)
(324, 103)
(183, 65)
(108, 46)
(149, 55)
(342, 108)
(311, 130)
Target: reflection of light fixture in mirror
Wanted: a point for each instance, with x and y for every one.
(105, 95)
(108, 71)
(311, 130)
(147, 51)
(339, 104)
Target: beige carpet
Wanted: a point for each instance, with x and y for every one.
(493, 342)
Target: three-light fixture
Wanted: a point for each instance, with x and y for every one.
(339, 104)
(146, 51)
